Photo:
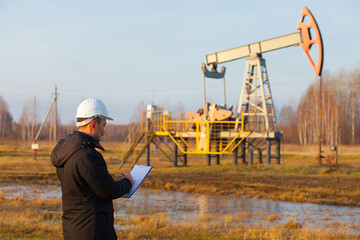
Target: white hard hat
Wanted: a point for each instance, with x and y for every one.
(91, 108)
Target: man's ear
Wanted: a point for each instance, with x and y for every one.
(92, 124)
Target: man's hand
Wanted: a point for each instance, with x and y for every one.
(128, 176)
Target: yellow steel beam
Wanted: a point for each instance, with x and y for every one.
(144, 147)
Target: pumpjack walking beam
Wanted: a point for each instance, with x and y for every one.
(302, 37)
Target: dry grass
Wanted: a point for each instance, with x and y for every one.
(41, 219)
(25, 219)
(154, 227)
(298, 178)
(296, 182)
(312, 150)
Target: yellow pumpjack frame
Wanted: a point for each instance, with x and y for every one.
(203, 130)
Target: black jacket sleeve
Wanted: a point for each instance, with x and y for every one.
(92, 168)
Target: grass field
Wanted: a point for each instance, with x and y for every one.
(298, 178)
(40, 219)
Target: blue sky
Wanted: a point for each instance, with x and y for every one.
(125, 52)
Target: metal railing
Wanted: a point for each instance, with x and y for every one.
(191, 137)
(204, 137)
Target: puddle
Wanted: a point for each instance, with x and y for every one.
(187, 207)
(31, 191)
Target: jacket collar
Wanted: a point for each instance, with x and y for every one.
(88, 140)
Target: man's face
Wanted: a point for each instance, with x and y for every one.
(99, 129)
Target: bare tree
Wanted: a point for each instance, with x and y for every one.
(138, 113)
(331, 118)
(307, 119)
(354, 86)
(340, 112)
(287, 124)
(5, 118)
(26, 121)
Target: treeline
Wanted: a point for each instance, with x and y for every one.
(340, 116)
(26, 128)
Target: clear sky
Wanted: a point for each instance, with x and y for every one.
(124, 52)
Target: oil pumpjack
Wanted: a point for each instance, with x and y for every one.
(215, 130)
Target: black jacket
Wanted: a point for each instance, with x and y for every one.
(87, 188)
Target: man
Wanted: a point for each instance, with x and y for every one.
(87, 187)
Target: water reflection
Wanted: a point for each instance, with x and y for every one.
(192, 207)
(180, 207)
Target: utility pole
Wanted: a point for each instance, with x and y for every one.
(47, 115)
(35, 146)
(33, 119)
